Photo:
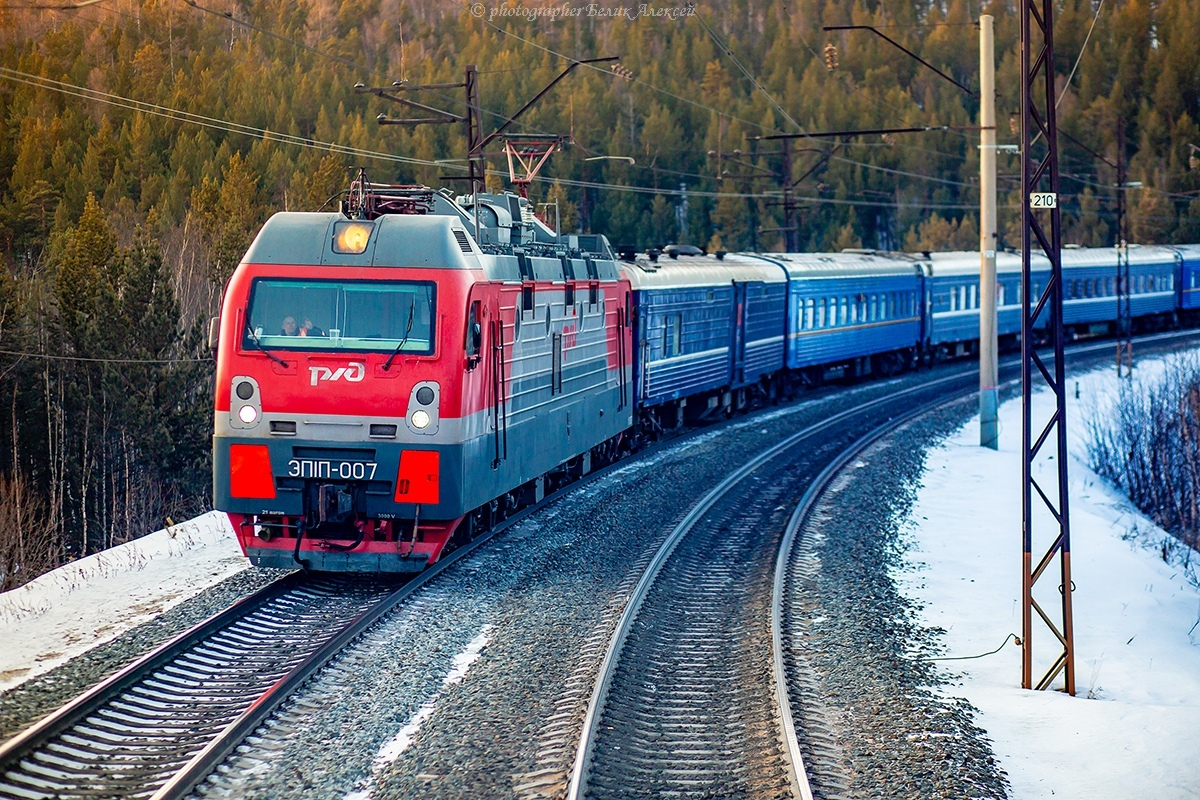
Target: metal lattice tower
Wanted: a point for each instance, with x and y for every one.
(1045, 437)
(1124, 299)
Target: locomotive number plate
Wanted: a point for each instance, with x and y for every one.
(324, 468)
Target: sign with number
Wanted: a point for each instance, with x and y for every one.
(1043, 200)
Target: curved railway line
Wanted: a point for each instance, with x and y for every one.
(140, 729)
(708, 621)
(686, 702)
(158, 727)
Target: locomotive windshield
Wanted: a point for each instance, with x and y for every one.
(340, 316)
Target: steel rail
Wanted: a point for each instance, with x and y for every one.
(801, 787)
(87, 703)
(579, 772)
(196, 770)
(127, 734)
(78, 709)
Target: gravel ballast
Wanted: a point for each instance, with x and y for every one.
(898, 735)
(477, 687)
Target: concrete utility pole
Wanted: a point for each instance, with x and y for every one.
(989, 427)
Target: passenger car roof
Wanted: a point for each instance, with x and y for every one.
(692, 271)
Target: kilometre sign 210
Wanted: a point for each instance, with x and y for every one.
(1043, 200)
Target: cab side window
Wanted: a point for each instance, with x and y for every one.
(474, 335)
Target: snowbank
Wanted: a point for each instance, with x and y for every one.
(80, 605)
(1133, 727)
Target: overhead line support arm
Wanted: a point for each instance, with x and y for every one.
(898, 46)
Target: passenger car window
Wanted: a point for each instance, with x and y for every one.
(672, 330)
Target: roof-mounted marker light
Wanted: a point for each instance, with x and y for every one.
(351, 237)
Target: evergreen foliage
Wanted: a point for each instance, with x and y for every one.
(119, 226)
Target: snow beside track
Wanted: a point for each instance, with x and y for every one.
(80, 605)
(1132, 729)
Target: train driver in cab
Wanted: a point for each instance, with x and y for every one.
(290, 328)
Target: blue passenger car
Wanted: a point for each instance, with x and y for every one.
(1189, 282)
(704, 325)
(1089, 285)
(952, 296)
(849, 308)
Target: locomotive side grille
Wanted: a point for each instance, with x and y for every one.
(335, 453)
(463, 242)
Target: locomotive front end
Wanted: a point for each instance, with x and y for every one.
(337, 400)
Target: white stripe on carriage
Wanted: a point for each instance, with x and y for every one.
(688, 356)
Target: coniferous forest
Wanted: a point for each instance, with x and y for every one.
(143, 142)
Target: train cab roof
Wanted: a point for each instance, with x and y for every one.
(441, 240)
(846, 264)
(687, 270)
(1139, 254)
(962, 263)
(401, 240)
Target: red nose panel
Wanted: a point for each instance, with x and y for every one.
(250, 471)
(417, 481)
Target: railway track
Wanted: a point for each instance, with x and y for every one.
(158, 727)
(686, 703)
(131, 734)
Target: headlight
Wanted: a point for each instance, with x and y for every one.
(245, 403)
(351, 237)
(420, 418)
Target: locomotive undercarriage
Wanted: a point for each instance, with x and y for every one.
(334, 533)
(353, 544)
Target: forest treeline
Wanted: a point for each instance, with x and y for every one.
(143, 142)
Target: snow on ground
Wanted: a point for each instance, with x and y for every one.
(80, 605)
(1132, 729)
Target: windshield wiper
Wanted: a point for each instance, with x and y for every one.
(407, 330)
(259, 345)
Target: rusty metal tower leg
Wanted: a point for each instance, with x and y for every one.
(1039, 182)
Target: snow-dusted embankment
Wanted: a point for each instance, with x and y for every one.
(80, 605)
(1133, 728)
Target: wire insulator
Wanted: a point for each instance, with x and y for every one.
(831, 56)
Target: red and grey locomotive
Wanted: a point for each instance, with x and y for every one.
(391, 374)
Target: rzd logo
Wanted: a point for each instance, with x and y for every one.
(353, 373)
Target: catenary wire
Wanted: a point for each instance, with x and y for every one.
(53, 357)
